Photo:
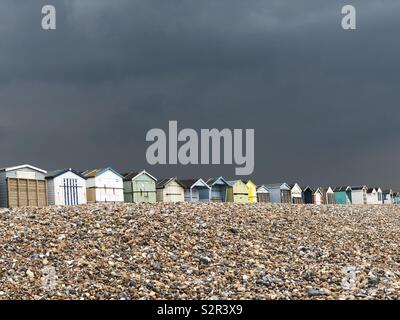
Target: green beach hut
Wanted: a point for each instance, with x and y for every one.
(342, 195)
(139, 187)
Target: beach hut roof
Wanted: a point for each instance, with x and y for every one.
(319, 189)
(342, 188)
(164, 181)
(132, 175)
(23, 166)
(355, 188)
(59, 172)
(189, 183)
(232, 182)
(95, 172)
(324, 189)
(262, 187)
(280, 185)
(211, 181)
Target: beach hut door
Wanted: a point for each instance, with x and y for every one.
(70, 188)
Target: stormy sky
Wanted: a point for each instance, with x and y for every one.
(324, 102)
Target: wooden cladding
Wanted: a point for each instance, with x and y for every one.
(285, 196)
(91, 194)
(297, 200)
(26, 192)
(263, 197)
(330, 198)
(107, 194)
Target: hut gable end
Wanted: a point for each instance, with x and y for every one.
(23, 185)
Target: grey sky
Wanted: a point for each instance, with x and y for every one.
(324, 102)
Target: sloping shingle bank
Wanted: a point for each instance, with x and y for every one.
(200, 251)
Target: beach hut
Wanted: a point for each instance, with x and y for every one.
(342, 195)
(170, 190)
(358, 194)
(318, 196)
(279, 192)
(252, 191)
(263, 194)
(219, 189)
(23, 185)
(380, 195)
(196, 190)
(296, 194)
(387, 196)
(308, 194)
(103, 185)
(139, 187)
(238, 192)
(328, 195)
(372, 196)
(66, 187)
(396, 197)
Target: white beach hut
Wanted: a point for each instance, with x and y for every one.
(104, 185)
(66, 187)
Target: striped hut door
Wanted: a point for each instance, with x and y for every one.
(70, 191)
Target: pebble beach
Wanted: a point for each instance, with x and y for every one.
(200, 251)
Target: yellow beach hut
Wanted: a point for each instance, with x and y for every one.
(252, 191)
(237, 192)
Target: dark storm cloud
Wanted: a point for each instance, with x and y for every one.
(323, 102)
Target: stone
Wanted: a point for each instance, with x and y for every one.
(30, 274)
(316, 292)
(205, 259)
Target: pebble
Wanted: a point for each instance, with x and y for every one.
(205, 259)
(30, 274)
(316, 292)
